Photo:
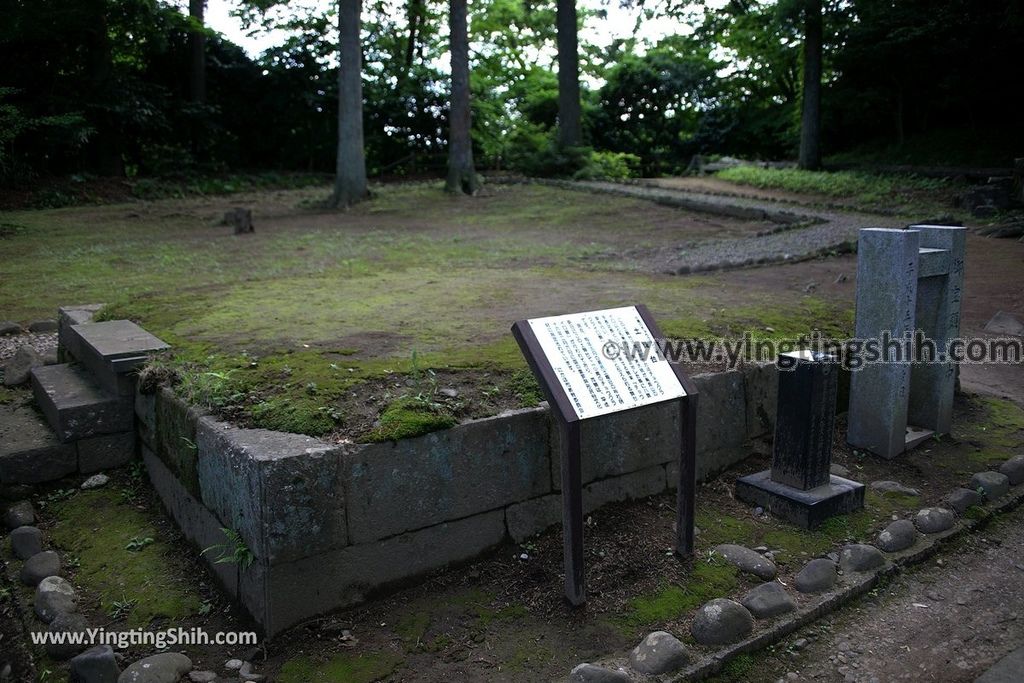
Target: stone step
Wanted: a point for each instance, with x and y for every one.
(111, 350)
(76, 406)
(30, 452)
(67, 343)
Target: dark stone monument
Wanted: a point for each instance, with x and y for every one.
(799, 487)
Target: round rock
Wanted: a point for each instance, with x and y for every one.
(167, 667)
(39, 566)
(898, 536)
(991, 484)
(659, 653)
(41, 326)
(961, 499)
(66, 622)
(934, 520)
(26, 541)
(202, 676)
(54, 596)
(1013, 469)
(9, 328)
(768, 600)
(858, 557)
(888, 486)
(18, 368)
(720, 622)
(95, 481)
(747, 560)
(19, 514)
(95, 665)
(591, 673)
(816, 576)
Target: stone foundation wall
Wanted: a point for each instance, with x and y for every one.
(329, 524)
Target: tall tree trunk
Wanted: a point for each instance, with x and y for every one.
(415, 17)
(569, 131)
(197, 51)
(350, 181)
(461, 174)
(810, 125)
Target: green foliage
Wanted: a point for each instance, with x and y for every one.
(523, 385)
(233, 551)
(865, 187)
(609, 166)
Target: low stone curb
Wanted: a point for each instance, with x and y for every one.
(851, 587)
(855, 586)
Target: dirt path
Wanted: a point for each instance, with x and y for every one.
(949, 620)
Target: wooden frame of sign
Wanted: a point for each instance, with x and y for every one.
(585, 364)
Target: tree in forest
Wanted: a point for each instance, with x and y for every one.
(350, 178)
(197, 51)
(569, 129)
(461, 174)
(810, 120)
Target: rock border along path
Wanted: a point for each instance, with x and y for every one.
(851, 585)
(804, 232)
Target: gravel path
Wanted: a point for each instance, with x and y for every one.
(947, 621)
(804, 232)
(42, 342)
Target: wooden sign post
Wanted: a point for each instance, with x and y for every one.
(598, 363)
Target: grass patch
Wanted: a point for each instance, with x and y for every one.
(98, 528)
(348, 667)
(409, 417)
(411, 627)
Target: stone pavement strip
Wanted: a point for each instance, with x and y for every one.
(814, 231)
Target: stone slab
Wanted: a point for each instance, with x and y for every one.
(106, 451)
(174, 440)
(68, 347)
(761, 392)
(282, 493)
(110, 350)
(806, 509)
(281, 595)
(477, 466)
(197, 523)
(75, 406)
(30, 453)
(114, 339)
(932, 262)
(886, 300)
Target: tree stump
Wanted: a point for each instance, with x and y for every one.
(240, 219)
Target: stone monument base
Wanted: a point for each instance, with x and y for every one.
(806, 509)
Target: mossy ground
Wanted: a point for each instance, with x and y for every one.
(117, 554)
(283, 326)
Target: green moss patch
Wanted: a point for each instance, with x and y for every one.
(97, 529)
(409, 417)
(365, 667)
(711, 578)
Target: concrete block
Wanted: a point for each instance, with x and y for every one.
(67, 344)
(30, 453)
(281, 492)
(145, 418)
(886, 299)
(646, 482)
(112, 349)
(761, 387)
(174, 438)
(721, 411)
(75, 406)
(106, 451)
(625, 442)
(477, 466)
(196, 522)
(938, 315)
(280, 595)
(533, 516)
